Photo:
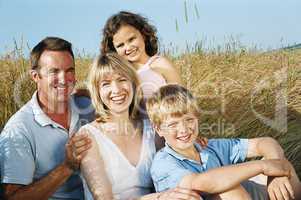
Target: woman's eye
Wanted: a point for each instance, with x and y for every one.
(104, 84)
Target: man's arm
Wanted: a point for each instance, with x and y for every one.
(41, 189)
(45, 187)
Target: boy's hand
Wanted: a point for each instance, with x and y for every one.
(276, 167)
(280, 188)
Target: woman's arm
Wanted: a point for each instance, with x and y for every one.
(93, 170)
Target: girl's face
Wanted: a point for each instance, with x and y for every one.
(129, 43)
(116, 92)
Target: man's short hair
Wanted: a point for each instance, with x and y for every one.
(51, 44)
(170, 100)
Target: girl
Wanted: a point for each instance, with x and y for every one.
(133, 38)
(117, 166)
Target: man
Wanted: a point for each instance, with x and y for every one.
(38, 159)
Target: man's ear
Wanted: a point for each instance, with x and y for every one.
(34, 74)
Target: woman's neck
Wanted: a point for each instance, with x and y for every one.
(121, 126)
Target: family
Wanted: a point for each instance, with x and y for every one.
(59, 147)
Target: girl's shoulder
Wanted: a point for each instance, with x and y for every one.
(161, 62)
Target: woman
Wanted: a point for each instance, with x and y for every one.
(117, 166)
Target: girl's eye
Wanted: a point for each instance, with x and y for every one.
(132, 38)
(119, 46)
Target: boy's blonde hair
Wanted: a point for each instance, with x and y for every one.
(170, 100)
(107, 64)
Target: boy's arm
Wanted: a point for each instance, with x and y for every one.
(269, 148)
(224, 178)
(266, 147)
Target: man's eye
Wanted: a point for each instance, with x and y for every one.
(71, 70)
(189, 120)
(53, 72)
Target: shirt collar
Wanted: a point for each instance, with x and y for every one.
(41, 118)
(175, 154)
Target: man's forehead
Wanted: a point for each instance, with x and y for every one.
(56, 58)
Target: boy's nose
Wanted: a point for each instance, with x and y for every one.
(182, 127)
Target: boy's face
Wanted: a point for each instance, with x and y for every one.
(179, 132)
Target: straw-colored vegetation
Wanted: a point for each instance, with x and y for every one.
(242, 93)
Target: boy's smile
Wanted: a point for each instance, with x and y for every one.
(179, 132)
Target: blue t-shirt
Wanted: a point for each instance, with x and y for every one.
(32, 145)
(169, 167)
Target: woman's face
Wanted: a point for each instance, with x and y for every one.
(129, 43)
(116, 92)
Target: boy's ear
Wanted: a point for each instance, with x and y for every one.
(158, 130)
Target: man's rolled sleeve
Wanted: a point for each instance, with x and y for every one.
(16, 158)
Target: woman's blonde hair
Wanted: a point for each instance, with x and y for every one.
(107, 64)
(171, 100)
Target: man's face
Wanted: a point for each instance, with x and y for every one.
(179, 132)
(55, 78)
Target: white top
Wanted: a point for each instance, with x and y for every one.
(151, 80)
(127, 181)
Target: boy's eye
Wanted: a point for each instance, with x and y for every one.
(172, 125)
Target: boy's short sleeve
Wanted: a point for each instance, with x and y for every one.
(16, 159)
(167, 173)
(230, 151)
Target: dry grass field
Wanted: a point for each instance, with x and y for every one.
(242, 93)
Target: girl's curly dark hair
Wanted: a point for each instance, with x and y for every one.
(139, 22)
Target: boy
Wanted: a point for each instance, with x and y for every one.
(174, 114)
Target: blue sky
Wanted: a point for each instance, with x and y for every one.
(266, 24)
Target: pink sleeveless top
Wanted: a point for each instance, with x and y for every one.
(150, 79)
